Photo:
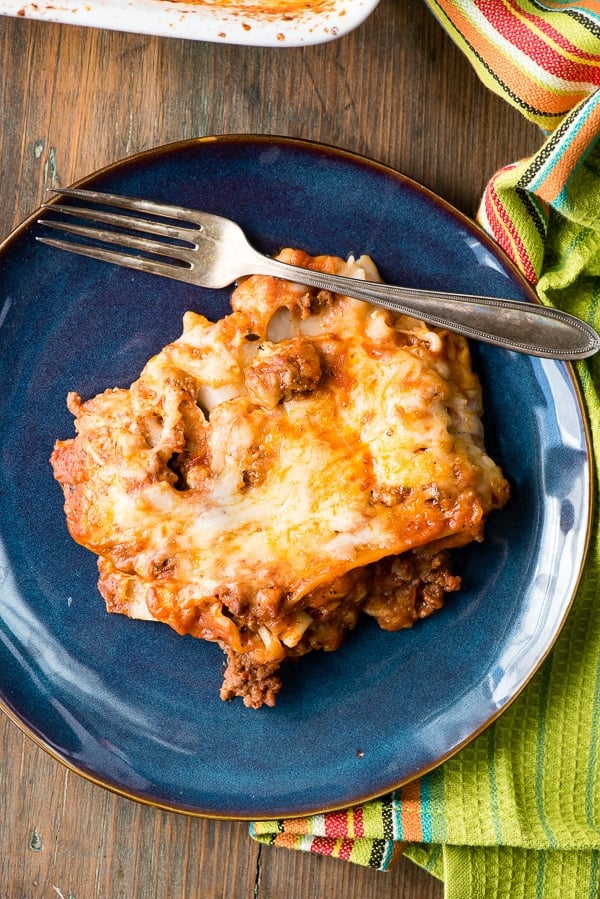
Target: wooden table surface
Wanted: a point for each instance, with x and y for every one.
(75, 99)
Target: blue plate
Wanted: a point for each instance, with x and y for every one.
(136, 708)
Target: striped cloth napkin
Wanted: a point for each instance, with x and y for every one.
(516, 813)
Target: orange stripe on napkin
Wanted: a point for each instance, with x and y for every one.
(412, 830)
(518, 81)
(297, 826)
(572, 152)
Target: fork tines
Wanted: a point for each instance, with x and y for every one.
(101, 242)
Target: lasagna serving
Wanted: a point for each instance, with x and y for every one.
(272, 475)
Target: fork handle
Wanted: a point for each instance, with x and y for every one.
(549, 333)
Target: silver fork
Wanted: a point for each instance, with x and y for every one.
(211, 251)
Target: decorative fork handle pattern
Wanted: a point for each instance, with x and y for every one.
(546, 332)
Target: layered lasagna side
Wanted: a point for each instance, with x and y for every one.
(271, 476)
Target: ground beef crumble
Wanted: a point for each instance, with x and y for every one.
(396, 591)
(256, 684)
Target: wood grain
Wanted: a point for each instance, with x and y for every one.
(74, 100)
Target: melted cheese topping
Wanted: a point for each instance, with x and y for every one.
(260, 462)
